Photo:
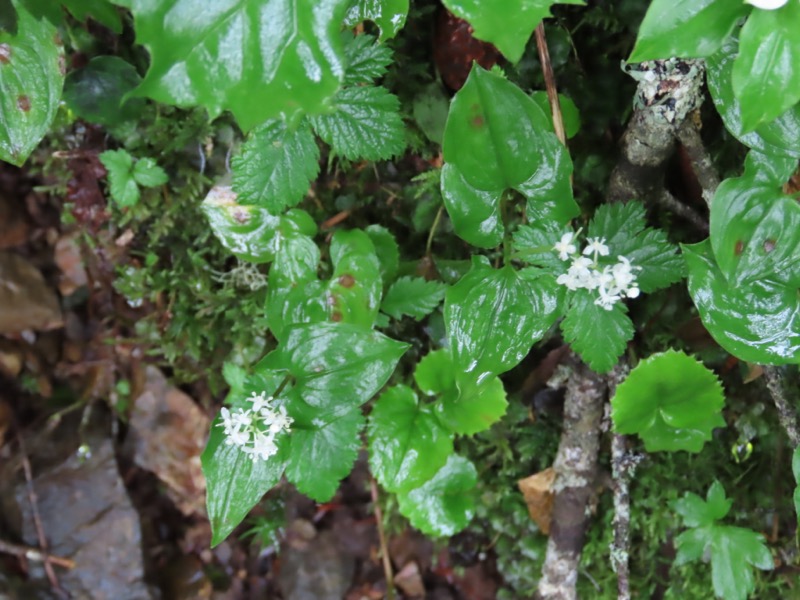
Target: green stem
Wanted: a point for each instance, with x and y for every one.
(432, 232)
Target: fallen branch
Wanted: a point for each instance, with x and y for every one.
(786, 414)
(35, 554)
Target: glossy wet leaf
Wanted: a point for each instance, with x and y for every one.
(235, 483)
(598, 335)
(734, 551)
(259, 59)
(407, 443)
(445, 504)
(31, 78)
(569, 112)
(475, 214)
(276, 165)
(507, 24)
(769, 169)
(335, 366)
(755, 233)
(669, 413)
(686, 28)
(626, 233)
(355, 288)
(413, 296)
(778, 137)
(493, 317)
(322, 454)
(758, 323)
(388, 15)
(365, 59)
(766, 74)
(493, 131)
(365, 124)
(96, 92)
(464, 406)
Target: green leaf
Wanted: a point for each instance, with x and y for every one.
(465, 407)
(486, 110)
(507, 24)
(475, 214)
(276, 165)
(96, 92)
(597, 334)
(755, 233)
(535, 245)
(386, 249)
(122, 185)
(569, 112)
(235, 483)
(260, 59)
(549, 189)
(365, 59)
(493, 317)
(355, 289)
(623, 226)
(365, 124)
(407, 444)
(100, 10)
(778, 137)
(766, 74)
(769, 169)
(666, 413)
(148, 174)
(430, 110)
(322, 454)
(686, 28)
(31, 78)
(445, 504)
(413, 296)
(388, 15)
(734, 551)
(8, 17)
(336, 367)
(758, 323)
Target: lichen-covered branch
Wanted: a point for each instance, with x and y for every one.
(786, 414)
(576, 472)
(707, 177)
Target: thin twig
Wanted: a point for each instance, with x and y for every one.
(432, 232)
(37, 521)
(786, 414)
(684, 211)
(387, 563)
(550, 83)
(35, 554)
(335, 219)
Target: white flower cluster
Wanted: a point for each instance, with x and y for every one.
(612, 282)
(253, 430)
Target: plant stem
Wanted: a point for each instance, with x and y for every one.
(432, 232)
(387, 563)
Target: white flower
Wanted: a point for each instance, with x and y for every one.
(596, 246)
(766, 4)
(254, 430)
(565, 246)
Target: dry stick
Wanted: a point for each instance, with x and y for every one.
(387, 563)
(37, 521)
(786, 415)
(35, 554)
(550, 83)
(576, 473)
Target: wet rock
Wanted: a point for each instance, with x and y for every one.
(87, 517)
(25, 300)
(314, 569)
(168, 432)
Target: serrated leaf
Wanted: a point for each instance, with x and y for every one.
(321, 455)
(100, 10)
(475, 213)
(413, 296)
(388, 15)
(666, 413)
(444, 505)
(758, 323)
(778, 137)
(365, 124)
(507, 24)
(766, 74)
(336, 367)
(686, 28)
(148, 174)
(122, 185)
(535, 245)
(465, 406)
(407, 444)
(734, 551)
(96, 92)
(623, 227)
(386, 249)
(276, 165)
(755, 233)
(597, 334)
(260, 59)
(234, 482)
(31, 78)
(493, 317)
(365, 59)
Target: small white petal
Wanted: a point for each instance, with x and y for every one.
(767, 4)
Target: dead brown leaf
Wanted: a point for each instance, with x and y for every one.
(538, 492)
